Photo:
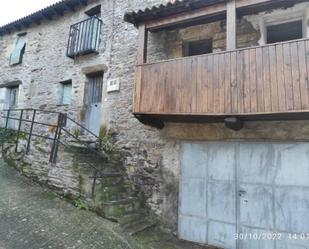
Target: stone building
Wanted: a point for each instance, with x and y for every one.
(214, 129)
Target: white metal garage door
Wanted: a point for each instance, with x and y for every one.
(259, 191)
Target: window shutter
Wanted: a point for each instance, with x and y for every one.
(17, 55)
(67, 94)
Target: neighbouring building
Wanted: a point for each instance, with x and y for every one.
(209, 99)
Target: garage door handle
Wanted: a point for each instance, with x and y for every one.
(241, 192)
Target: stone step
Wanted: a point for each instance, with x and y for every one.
(131, 218)
(121, 201)
(139, 226)
(112, 181)
(113, 193)
(120, 207)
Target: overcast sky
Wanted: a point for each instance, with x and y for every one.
(12, 10)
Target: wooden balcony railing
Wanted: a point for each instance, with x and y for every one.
(257, 80)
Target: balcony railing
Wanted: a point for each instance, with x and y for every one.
(266, 80)
(84, 37)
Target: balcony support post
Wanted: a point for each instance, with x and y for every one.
(142, 44)
(141, 59)
(231, 25)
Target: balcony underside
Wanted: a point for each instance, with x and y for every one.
(157, 120)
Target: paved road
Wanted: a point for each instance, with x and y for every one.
(34, 218)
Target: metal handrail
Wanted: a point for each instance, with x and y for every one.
(62, 118)
(57, 126)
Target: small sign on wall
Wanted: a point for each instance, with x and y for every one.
(113, 85)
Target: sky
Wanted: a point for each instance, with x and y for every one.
(12, 10)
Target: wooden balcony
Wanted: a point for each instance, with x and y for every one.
(256, 83)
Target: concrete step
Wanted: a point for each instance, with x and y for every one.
(131, 218)
(120, 207)
(113, 193)
(121, 201)
(139, 226)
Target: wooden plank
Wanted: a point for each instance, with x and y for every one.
(240, 81)
(227, 83)
(210, 88)
(215, 82)
(142, 44)
(259, 80)
(295, 76)
(246, 71)
(280, 78)
(303, 75)
(231, 25)
(266, 80)
(202, 84)
(146, 94)
(253, 88)
(234, 83)
(137, 89)
(270, 79)
(172, 85)
(177, 19)
(221, 83)
(288, 76)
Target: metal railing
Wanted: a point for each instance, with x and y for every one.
(52, 126)
(84, 37)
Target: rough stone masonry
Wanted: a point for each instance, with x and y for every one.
(151, 155)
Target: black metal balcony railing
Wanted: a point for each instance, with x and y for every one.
(84, 37)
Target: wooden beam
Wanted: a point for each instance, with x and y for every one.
(231, 25)
(233, 123)
(153, 122)
(186, 17)
(142, 44)
(141, 59)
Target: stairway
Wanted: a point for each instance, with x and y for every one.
(114, 197)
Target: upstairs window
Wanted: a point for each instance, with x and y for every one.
(84, 37)
(285, 32)
(66, 92)
(197, 47)
(17, 55)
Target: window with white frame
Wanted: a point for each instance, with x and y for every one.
(284, 31)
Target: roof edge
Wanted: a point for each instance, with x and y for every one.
(168, 9)
(47, 13)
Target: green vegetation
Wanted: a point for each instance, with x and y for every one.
(80, 204)
(105, 143)
(76, 132)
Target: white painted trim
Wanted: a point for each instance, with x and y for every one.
(280, 16)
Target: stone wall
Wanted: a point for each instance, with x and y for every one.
(152, 156)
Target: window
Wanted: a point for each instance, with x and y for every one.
(84, 37)
(17, 55)
(66, 92)
(13, 96)
(94, 88)
(95, 11)
(285, 32)
(197, 47)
